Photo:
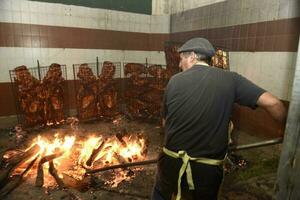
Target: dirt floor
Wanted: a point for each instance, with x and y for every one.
(255, 181)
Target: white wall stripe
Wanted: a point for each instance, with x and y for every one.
(234, 12)
(32, 12)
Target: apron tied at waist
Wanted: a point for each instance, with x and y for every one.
(186, 167)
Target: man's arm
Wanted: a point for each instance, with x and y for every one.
(273, 106)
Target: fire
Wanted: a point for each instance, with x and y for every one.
(134, 149)
(114, 150)
(87, 148)
(72, 156)
(47, 147)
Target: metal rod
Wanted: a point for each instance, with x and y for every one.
(14, 89)
(153, 161)
(97, 65)
(257, 144)
(146, 162)
(39, 69)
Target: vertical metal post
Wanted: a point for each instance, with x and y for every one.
(97, 65)
(146, 67)
(15, 92)
(288, 174)
(39, 69)
(75, 87)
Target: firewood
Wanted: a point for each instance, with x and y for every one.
(23, 156)
(3, 152)
(120, 158)
(123, 160)
(14, 162)
(54, 174)
(146, 162)
(95, 153)
(16, 180)
(39, 182)
(120, 138)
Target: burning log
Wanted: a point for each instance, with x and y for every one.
(120, 158)
(123, 161)
(119, 136)
(54, 174)
(94, 154)
(15, 161)
(146, 162)
(39, 182)
(4, 152)
(15, 181)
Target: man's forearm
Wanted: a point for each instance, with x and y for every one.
(277, 111)
(273, 106)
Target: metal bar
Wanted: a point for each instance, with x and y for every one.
(257, 144)
(153, 161)
(39, 70)
(145, 162)
(14, 89)
(75, 89)
(97, 66)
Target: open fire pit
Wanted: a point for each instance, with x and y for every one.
(65, 161)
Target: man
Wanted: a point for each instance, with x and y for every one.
(198, 104)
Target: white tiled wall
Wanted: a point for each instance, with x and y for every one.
(13, 57)
(175, 6)
(32, 12)
(234, 12)
(273, 71)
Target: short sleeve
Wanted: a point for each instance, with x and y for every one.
(246, 92)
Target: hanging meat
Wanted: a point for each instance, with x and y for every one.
(136, 70)
(107, 94)
(30, 96)
(153, 97)
(54, 101)
(220, 59)
(86, 97)
(159, 77)
(172, 59)
(136, 88)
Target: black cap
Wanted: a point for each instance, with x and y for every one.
(198, 45)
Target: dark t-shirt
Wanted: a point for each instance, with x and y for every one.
(197, 107)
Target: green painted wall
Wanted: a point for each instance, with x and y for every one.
(135, 6)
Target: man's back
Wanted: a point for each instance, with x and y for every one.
(198, 108)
